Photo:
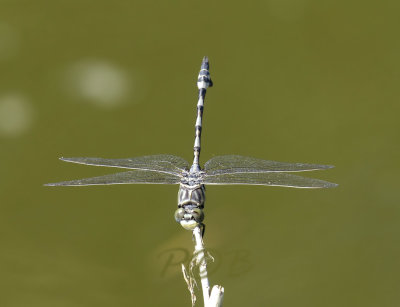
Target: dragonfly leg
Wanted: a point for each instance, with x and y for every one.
(203, 229)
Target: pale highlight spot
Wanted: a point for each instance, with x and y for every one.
(98, 82)
(16, 115)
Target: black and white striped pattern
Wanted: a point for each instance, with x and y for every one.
(203, 82)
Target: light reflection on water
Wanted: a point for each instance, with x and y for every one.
(16, 115)
(98, 82)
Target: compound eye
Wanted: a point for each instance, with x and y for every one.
(198, 215)
(179, 214)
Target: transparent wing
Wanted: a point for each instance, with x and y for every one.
(232, 164)
(129, 177)
(160, 163)
(269, 179)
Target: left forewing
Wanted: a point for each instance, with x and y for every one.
(230, 164)
(268, 179)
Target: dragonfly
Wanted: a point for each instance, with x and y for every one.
(219, 170)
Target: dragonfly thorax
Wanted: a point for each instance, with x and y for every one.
(192, 179)
(191, 195)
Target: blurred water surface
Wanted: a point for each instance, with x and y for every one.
(296, 81)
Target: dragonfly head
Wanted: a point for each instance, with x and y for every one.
(189, 217)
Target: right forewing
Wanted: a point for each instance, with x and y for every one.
(160, 163)
(129, 177)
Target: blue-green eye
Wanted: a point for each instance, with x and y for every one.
(179, 214)
(197, 215)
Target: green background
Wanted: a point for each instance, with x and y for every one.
(297, 81)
